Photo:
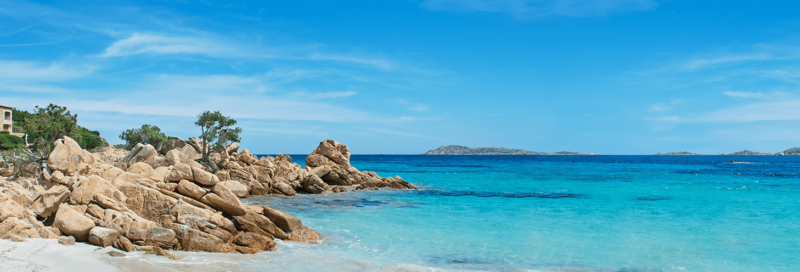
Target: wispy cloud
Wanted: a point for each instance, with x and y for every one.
(664, 106)
(154, 44)
(761, 111)
(541, 8)
(40, 72)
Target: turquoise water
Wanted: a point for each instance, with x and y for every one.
(556, 213)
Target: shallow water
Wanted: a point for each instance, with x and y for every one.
(555, 213)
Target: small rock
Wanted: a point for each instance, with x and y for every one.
(66, 240)
(116, 254)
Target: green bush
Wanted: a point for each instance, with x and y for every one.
(4, 133)
(10, 142)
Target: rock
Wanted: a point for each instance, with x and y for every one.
(140, 153)
(237, 188)
(161, 252)
(141, 168)
(283, 220)
(338, 189)
(179, 172)
(204, 178)
(318, 160)
(167, 186)
(174, 157)
(66, 240)
(195, 240)
(304, 235)
(124, 244)
(234, 147)
(92, 186)
(56, 176)
(67, 157)
(258, 223)
(136, 179)
(72, 223)
(337, 152)
(256, 241)
(313, 184)
(160, 174)
(116, 254)
(103, 237)
(283, 187)
(46, 203)
(225, 200)
(190, 189)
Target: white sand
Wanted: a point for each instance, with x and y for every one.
(49, 255)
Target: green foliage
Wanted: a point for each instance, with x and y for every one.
(148, 134)
(51, 123)
(19, 115)
(216, 131)
(90, 139)
(8, 142)
(121, 146)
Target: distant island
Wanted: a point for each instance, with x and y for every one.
(790, 151)
(748, 153)
(681, 153)
(463, 150)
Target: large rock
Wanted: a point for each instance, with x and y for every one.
(73, 223)
(68, 157)
(304, 235)
(225, 200)
(140, 153)
(260, 224)
(283, 220)
(203, 177)
(92, 186)
(174, 157)
(256, 241)
(47, 202)
(237, 188)
(190, 189)
(180, 172)
(141, 168)
(103, 237)
(195, 240)
(313, 184)
(337, 152)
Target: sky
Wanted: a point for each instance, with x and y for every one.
(407, 76)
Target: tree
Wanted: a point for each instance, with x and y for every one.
(148, 134)
(217, 132)
(51, 123)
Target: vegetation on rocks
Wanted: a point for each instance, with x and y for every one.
(147, 134)
(217, 132)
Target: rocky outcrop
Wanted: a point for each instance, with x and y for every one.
(164, 199)
(746, 153)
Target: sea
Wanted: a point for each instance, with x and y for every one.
(552, 213)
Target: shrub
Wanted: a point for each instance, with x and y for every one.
(8, 141)
(148, 134)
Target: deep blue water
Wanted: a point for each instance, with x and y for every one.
(555, 213)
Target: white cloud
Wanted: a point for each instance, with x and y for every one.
(154, 44)
(539, 8)
(664, 106)
(763, 111)
(667, 119)
(699, 63)
(33, 71)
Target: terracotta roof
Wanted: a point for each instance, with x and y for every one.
(7, 107)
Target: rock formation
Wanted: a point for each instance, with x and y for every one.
(164, 199)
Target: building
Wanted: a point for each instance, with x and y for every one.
(7, 119)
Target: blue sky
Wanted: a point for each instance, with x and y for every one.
(406, 76)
